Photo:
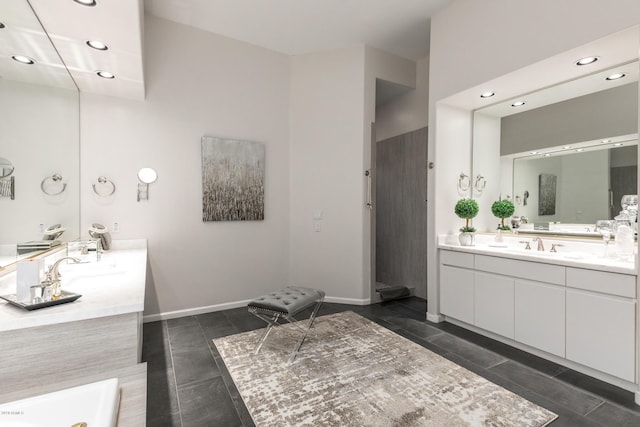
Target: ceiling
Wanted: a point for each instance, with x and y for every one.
(302, 26)
(287, 26)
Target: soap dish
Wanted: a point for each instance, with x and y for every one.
(64, 298)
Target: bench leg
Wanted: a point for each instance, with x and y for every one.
(273, 321)
(312, 319)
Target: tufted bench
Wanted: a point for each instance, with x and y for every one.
(285, 304)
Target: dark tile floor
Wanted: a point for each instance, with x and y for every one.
(189, 386)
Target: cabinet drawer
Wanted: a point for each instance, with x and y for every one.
(622, 285)
(457, 259)
(546, 273)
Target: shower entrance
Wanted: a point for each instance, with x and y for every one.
(400, 212)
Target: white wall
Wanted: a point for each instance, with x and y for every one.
(486, 162)
(474, 42)
(327, 115)
(408, 112)
(197, 84)
(332, 108)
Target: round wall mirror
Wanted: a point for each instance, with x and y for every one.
(6, 167)
(147, 175)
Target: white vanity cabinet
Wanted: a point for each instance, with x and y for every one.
(497, 302)
(600, 313)
(579, 315)
(540, 315)
(493, 303)
(456, 285)
(95, 338)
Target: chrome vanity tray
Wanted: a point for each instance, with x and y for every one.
(64, 298)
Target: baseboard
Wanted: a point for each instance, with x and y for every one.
(226, 306)
(350, 301)
(194, 311)
(435, 318)
(637, 397)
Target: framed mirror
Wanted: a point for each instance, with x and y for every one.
(39, 133)
(565, 154)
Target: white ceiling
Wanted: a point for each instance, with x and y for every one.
(116, 23)
(303, 26)
(287, 26)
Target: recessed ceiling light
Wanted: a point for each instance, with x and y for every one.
(98, 45)
(86, 2)
(605, 141)
(518, 104)
(617, 144)
(23, 59)
(533, 152)
(487, 95)
(587, 60)
(579, 150)
(547, 155)
(106, 74)
(615, 76)
(566, 147)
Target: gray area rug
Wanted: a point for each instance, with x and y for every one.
(354, 372)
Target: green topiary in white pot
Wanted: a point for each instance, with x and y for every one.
(467, 209)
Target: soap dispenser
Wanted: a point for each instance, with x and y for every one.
(624, 242)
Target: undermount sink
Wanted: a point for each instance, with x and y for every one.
(84, 269)
(93, 405)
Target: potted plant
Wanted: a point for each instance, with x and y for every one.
(502, 209)
(467, 209)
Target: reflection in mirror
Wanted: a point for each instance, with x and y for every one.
(39, 132)
(7, 182)
(567, 155)
(6, 168)
(587, 183)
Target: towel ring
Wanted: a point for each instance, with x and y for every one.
(55, 178)
(480, 184)
(464, 182)
(104, 181)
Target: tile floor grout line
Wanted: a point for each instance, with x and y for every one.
(173, 370)
(226, 386)
(594, 408)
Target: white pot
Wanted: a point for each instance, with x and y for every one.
(467, 239)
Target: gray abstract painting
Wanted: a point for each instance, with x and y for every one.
(232, 180)
(547, 194)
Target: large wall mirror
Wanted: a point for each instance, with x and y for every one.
(39, 136)
(567, 155)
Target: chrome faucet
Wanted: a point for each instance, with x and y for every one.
(540, 244)
(53, 273)
(50, 286)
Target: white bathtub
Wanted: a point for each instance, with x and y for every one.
(95, 404)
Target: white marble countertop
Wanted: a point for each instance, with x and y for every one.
(580, 254)
(112, 286)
